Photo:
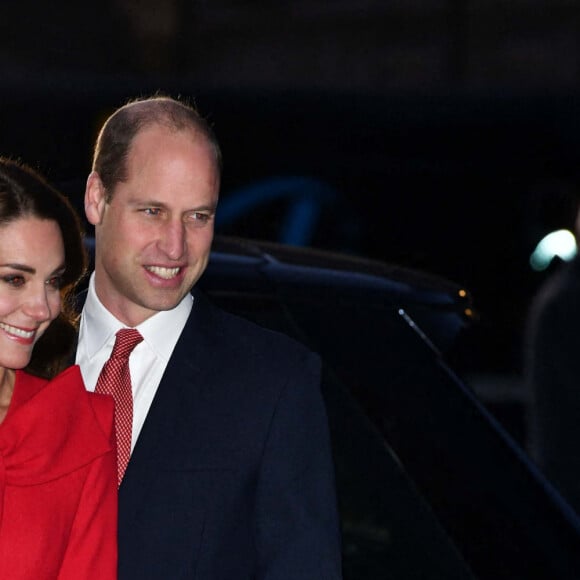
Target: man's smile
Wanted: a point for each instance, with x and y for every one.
(162, 272)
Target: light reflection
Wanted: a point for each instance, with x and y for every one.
(561, 243)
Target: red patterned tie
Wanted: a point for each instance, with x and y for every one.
(115, 379)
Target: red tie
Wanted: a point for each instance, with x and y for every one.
(115, 379)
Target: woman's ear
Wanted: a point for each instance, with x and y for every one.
(95, 199)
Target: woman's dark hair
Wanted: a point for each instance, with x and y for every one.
(25, 193)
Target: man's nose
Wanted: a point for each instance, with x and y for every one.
(172, 241)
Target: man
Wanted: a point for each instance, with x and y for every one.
(230, 475)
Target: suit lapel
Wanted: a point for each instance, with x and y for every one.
(169, 423)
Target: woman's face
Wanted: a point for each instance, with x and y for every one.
(31, 267)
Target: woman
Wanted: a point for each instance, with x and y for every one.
(57, 455)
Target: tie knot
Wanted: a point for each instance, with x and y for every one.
(127, 339)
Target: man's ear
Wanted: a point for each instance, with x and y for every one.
(95, 199)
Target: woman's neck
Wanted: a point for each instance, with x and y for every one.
(7, 377)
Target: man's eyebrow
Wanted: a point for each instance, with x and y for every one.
(211, 207)
(147, 202)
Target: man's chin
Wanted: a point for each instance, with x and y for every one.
(163, 301)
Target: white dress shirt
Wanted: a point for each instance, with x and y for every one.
(147, 362)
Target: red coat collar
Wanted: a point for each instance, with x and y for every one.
(50, 430)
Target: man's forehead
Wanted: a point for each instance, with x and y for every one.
(169, 130)
(151, 141)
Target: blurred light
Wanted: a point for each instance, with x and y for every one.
(462, 293)
(561, 243)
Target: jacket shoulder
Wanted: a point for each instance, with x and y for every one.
(237, 332)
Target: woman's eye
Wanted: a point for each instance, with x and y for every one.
(55, 282)
(14, 280)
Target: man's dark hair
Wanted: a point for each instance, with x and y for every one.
(120, 129)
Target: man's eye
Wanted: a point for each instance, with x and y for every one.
(154, 211)
(14, 280)
(200, 218)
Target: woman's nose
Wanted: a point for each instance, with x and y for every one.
(38, 305)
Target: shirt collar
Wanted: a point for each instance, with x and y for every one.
(160, 331)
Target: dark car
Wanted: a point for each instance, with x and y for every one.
(429, 483)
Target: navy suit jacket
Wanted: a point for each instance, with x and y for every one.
(232, 477)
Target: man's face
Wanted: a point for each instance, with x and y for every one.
(153, 239)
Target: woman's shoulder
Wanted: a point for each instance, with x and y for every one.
(71, 426)
(66, 390)
(31, 384)
(102, 406)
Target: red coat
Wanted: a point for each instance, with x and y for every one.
(58, 482)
